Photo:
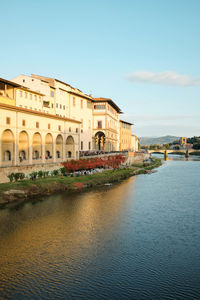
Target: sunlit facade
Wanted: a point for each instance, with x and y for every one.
(29, 136)
(106, 133)
(45, 120)
(125, 136)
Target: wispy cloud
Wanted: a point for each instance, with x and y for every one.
(163, 78)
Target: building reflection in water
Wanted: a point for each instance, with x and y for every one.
(59, 232)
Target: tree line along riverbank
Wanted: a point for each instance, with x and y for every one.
(27, 189)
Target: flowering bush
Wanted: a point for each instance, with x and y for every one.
(113, 161)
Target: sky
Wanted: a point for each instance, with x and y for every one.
(144, 55)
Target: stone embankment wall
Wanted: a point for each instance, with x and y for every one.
(27, 170)
(132, 157)
(136, 157)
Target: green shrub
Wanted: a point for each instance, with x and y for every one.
(63, 171)
(11, 177)
(46, 173)
(40, 174)
(21, 176)
(55, 172)
(33, 175)
(17, 176)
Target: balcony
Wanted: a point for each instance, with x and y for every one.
(7, 94)
(46, 104)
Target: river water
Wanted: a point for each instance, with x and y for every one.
(139, 239)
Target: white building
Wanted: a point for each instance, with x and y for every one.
(63, 100)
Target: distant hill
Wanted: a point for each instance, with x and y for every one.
(158, 140)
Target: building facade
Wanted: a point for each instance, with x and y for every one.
(105, 124)
(33, 137)
(45, 120)
(63, 100)
(134, 143)
(125, 136)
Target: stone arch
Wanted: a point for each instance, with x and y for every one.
(100, 140)
(70, 147)
(48, 146)
(7, 145)
(23, 145)
(37, 146)
(59, 146)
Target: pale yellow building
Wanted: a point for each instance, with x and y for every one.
(106, 124)
(134, 143)
(100, 127)
(29, 136)
(64, 100)
(125, 136)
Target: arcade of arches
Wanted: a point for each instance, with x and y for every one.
(35, 148)
(101, 142)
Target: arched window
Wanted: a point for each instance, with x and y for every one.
(7, 155)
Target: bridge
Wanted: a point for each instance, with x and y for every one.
(186, 152)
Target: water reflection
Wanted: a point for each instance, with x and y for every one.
(64, 230)
(136, 240)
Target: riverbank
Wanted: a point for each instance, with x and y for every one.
(27, 189)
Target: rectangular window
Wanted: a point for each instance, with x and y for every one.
(89, 104)
(8, 120)
(99, 107)
(76, 130)
(30, 96)
(89, 145)
(20, 93)
(60, 106)
(36, 97)
(52, 93)
(81, 123)
(70, 129)
(81, 130)
(81, 103)
(37, 124)
(74, 102)
(59, 127)
(26, 95)
(56, 105)
(49, 126)
(81, 145)
(63, 106)
(52, 105)
(23, 123)
(99, 124)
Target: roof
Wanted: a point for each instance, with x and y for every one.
(80, 95)
(10, 82)
(126, 122)
(34, 112)
(49, 79)
(110, 101)
(19, 86)
(51, 83)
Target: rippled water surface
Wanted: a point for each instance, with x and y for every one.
(139, 239)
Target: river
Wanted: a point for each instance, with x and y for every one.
(139, 239)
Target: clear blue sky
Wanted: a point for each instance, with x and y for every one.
(145, 54)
